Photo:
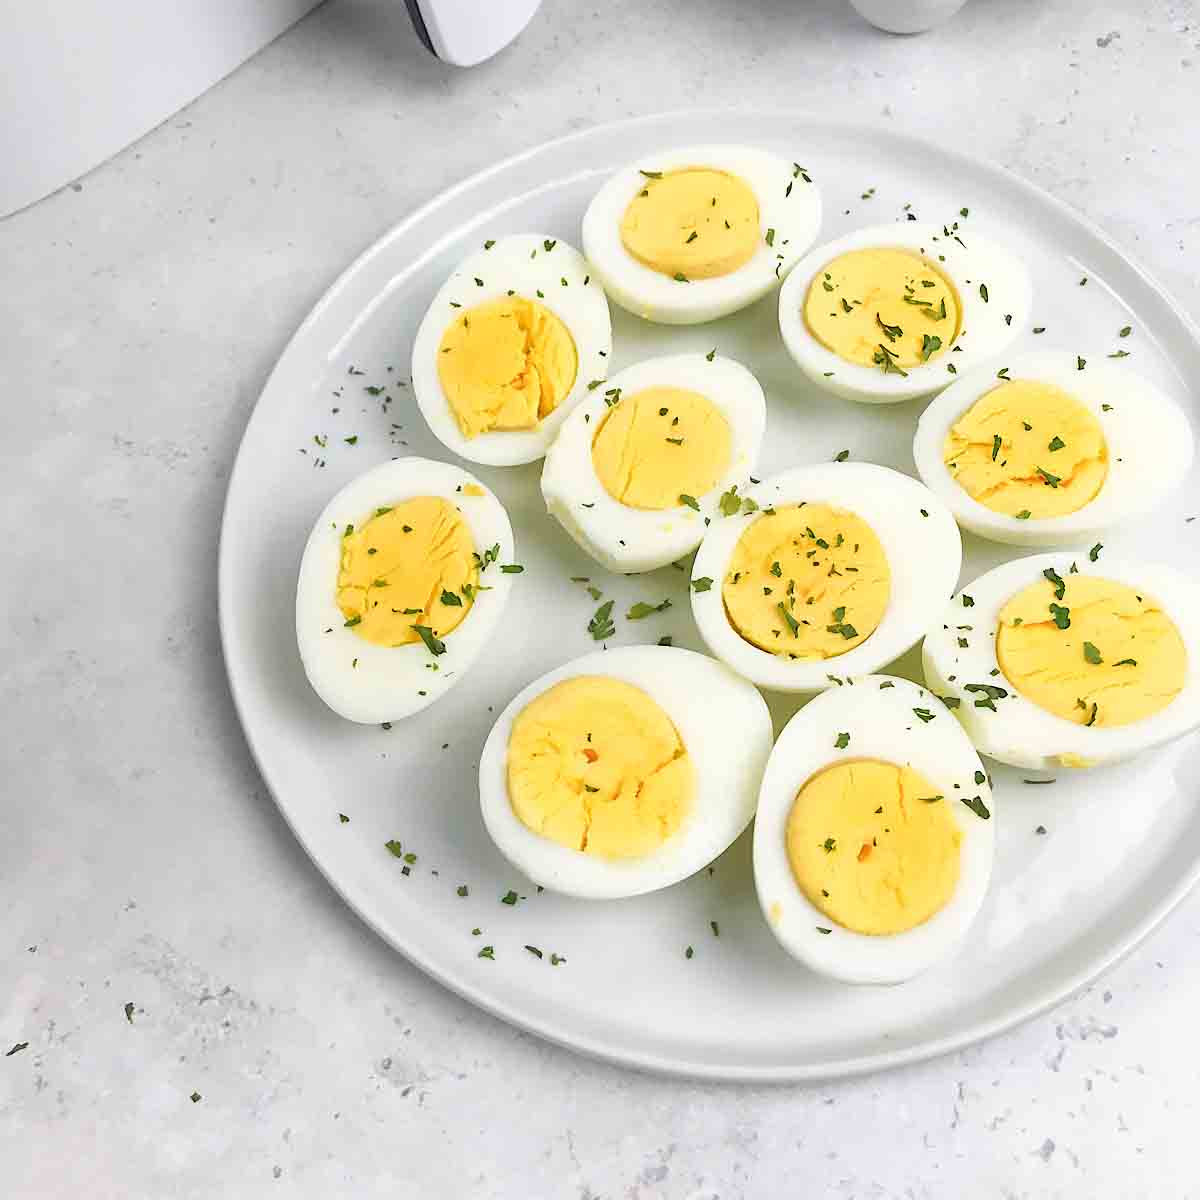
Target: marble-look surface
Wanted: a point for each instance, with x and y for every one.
(142, 862)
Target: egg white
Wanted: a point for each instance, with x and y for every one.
(787, 203)
(985, 332)
(882, 725)
(1150, 446)
(1021, 733)
(358, 679)
(627, 539)
(520, 264)
(705, 701)
(924, 555)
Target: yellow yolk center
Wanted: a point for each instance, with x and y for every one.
(1029, 450)
(506, 365)
(1099, 654)
(657, 445)
(410, 565)
(595, 764)
(874, 846)
(697, 223)
(887, 308)
(809, 581)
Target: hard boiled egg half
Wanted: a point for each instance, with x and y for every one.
(896, 311)
(873, 842)
(823, 572)
(615, 774)
(641, 466)
(508, 347)
(403, 580)
(691, 234)
(1070, 661)
(1051, 448)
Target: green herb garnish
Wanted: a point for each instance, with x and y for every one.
(977, 806)
(601, 625)
(641, 610)
(433, 643)
(891, 332)
(990, 690)
(730, 503)
(792, 623)
(887, 360)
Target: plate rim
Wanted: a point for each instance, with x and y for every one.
(600, 1048)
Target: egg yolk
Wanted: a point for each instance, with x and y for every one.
(407, 566)
(807, 580)
(874, 846)
(595, 764)
(657, 445)
(884, 307)
(697, 223)
(1028, 450)
(506, 365)
(1090, 650)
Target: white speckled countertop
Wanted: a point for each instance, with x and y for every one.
(142, 861)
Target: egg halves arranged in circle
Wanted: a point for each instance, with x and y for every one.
(641, 467)
(873, 841)
(1051, 448)
(1061, 660)
(508, 347)
(823, 572)
(691, 234)
(614, 775)
(896, 311)
(402, 583)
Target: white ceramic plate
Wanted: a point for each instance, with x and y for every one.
(1122, 845)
